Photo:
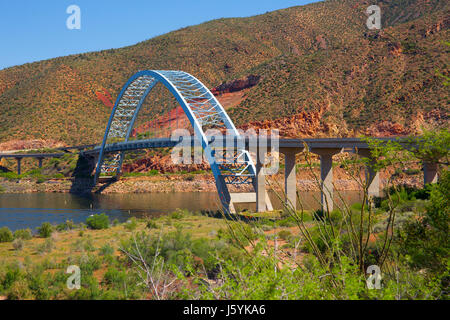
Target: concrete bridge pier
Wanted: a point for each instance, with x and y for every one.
(19, 161)
(326, 175)
(430, 172)
(40, 162)
(263, 202)
(290, 178)
(372, 176)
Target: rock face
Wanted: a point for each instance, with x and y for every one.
(236, 85)
(162, 163)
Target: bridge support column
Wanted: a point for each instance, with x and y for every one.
(40, 162)
(19, 160)
(290, 178)
(430, 172)
(260, 187)
(326, 175)
(263, 202)
(372, 176)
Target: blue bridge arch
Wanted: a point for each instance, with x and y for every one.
(201, 108)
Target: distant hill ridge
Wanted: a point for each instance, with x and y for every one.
(315, 69)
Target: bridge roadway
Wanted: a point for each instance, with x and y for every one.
(325, 148)
(20, 156)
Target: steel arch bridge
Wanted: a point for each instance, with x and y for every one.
(202, 110)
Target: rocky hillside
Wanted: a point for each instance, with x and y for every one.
(313, 70)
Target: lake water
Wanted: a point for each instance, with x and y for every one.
(18, 211)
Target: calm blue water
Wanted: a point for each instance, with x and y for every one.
(19, 211)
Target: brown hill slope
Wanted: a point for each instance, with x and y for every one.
(318, 59)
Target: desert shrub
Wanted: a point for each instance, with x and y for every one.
(40, 285)
(284, 234)
(45, 230)
(81, 245)
(46, 247)
(151, 224)
(286, 222)
(318, 237)
(17, 244)
(98, 221)
(425, 240)
(114, 277)
(131, 224)
(24, 234)
(68, 225)
(178, 214)
(11, 275)
(107, 249)
(10, 175)
(19, 291)
(6, 235)
(88, 263)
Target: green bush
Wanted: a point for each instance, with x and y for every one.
(151, 224)
(24, 234)
(10, 175)
(6, 235)
(114, 277)
(98, 221)
(131, 224)
(425, 241)
(284, 234)
(18, 244)
(178, 214)
(107, 249)
(45, 230)
(46, 247)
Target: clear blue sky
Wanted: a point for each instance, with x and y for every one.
(32, 30)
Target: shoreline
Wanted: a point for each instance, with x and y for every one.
(182, 183)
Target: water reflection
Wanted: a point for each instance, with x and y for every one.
(19, 211)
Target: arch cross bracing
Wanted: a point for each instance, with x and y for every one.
(202, 110)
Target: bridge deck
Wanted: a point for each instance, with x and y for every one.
(30, 155)
(327, 143)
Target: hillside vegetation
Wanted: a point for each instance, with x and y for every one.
(319, 61)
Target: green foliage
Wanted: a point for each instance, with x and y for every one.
(10, 175)
(82, 245)
(98, 221)
(131, 224)
(6, 235)
(107, 249)
(24, 234)
(45, 230)
(18, 244)
(284, 234)
(178, 214)
(68, 225)
(46, 247)
(425, 241)
(431, 146)
(151, 224)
